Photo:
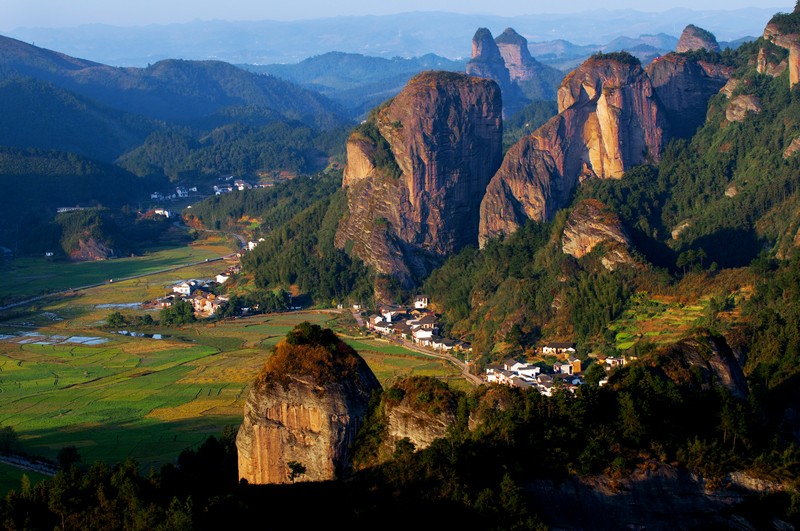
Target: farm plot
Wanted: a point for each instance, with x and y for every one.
(150, 399)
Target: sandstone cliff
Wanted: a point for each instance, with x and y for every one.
(694, 38)
(683, 87)
(306, 406)
(609, 120)
(740, 105)
(784, 31)
(488, 63)
(535, 80)
(419, 409)
(591, 224)
(416, 173)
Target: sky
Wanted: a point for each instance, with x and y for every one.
(60, 13)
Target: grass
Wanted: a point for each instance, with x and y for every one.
(11, 478)
(116, 397)
(28, 277)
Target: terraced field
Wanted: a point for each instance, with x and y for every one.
(658, 321)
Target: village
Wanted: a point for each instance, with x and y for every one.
(418, 325)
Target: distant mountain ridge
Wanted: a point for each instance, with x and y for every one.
(404, 35)
(355, 81)
(168, 90)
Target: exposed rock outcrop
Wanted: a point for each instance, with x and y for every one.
(683, 87)
(792, 148)
(609, 120)
(694, 38)
(590, 224)
(306, 406)
(90, 249)
(703, 360)
(654, 496)
(417, 171)
(784, 31)
(487, 62)
(419, 409)
(741, 105)
(535, 80)
(508, 61)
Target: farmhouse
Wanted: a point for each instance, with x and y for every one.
(421, 302)
(186, 288)
(555, 348)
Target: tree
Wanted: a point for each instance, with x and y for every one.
(179, 313)
(8, 440)
(115, 320)
(296, 470)
(68, 457)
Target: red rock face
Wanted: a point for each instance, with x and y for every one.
(790, 42)
(694, 38)
(488, 63)
(683, 87)
(609, 120)
(445, 133)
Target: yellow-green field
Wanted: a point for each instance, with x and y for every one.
(28, 277)
(66, 379)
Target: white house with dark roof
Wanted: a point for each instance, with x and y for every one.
(556, 347)
(421, 302)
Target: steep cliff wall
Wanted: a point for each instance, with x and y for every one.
(609, 120)
(443, 134)
(683, 87)
(535, 80)
(306, 406)
(419, 409)
(784, 31)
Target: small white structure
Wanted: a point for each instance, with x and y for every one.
(559, 348)
(222, 278)
(421, 302)
(182, 191)
(251, 245)
(162, 212)
(185, 288)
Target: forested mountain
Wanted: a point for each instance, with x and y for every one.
(70, 126)
(170, 89)
(39, 115)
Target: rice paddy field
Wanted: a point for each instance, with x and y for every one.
(66, 379)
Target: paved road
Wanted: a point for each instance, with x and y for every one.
(462, 366)
(27, 464)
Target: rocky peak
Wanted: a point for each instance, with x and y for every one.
(694, 38)
(487, 62)
(514, 49)
(417, 170)
(306, 406)
(590, 224)
(609, 119)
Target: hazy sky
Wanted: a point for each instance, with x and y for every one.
(57, 13)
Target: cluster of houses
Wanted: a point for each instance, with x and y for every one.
(181, 192)
(417, 324)
(515, 373)
(199, 293)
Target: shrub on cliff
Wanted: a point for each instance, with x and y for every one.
(311, 351)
